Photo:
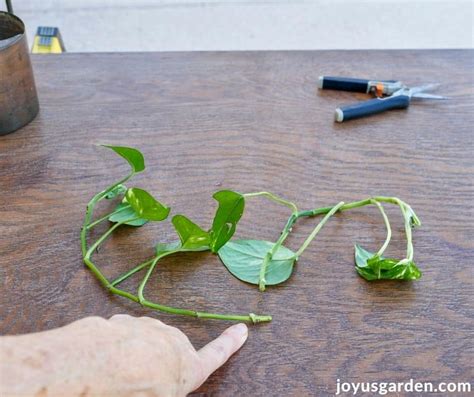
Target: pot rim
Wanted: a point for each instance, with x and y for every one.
(19, 36)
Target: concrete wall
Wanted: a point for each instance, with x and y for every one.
(140, 25)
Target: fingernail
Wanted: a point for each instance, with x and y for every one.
(240, 330)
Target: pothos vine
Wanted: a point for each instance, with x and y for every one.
(254, 261)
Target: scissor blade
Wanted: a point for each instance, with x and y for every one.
(423, 95)
(423, 88)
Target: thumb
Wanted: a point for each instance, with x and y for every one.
(217, 352)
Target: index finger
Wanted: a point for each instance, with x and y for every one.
(218, 351)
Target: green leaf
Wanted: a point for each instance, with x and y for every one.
(379, 262)
(145, 205)
(133, 156)
(191, 235)
(243, 258)
(372, 267)
(161, 248)
(126, 212)
(406, 271)
(361, 256)
(229, 212)
(366, 273)
(116, 191)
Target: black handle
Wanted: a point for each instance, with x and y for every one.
(370, 107)
(9, 6)
(343, 84)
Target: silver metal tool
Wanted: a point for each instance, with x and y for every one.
(390, 95)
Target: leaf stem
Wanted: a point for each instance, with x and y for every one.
(345, 207)
(90, 210)
(268, 257)
(387, 225)
(186, 312)
(93, 268)
(155, 260)
(392, 200)
(403, 208)
(105, 217)
(408, 233)
(251, 317)
(318, 228)
(275, 198)
(93, 247)
(284, 234)
(131, 272)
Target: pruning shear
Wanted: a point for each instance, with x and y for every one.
(390, 94)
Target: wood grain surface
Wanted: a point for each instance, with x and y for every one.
(253, 121)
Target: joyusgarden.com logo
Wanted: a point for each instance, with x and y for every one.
(384, 388)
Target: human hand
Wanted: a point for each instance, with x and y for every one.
(122, 356)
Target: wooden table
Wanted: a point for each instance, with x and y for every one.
(253, 121)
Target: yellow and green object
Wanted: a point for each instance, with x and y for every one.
(48, 40)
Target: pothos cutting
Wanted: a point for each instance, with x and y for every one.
(256, 262)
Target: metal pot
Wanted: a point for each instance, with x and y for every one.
(18, 97)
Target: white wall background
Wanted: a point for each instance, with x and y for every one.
(160, 25)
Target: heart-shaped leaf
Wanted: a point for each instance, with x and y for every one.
(243, 258)
(372, 267)
(133, 156)
(145, 205)
(229, 212)
(361, 256)
(191, 235)
(124, 212)
(161, 248)
(176, 246)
